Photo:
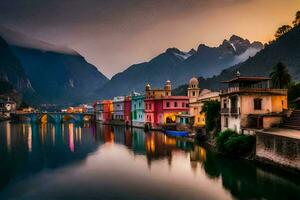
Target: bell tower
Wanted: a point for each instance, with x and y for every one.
(168, 88)
(193, 90)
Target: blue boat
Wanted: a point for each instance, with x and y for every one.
(177, 133)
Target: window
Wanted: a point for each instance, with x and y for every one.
(182, 105)
(168, 104)
(194, 93)
(226, 122)
(257, 104)
(175, 104)
(225, 103)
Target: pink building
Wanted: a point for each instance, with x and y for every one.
(127, 110)
(161, 108)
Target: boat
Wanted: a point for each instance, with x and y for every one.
(176, 133)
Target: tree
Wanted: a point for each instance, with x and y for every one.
(212, 115)
(282, 30)
(296, 22)
(280, 76)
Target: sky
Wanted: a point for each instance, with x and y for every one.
(114, 34)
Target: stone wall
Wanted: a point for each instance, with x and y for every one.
(279, 150)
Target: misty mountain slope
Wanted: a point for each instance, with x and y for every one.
(179, 66)
(57, 74)
(209, 61)
(11, 69)
(286, 49)
(58, 77)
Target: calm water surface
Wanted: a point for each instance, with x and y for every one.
(87, 161)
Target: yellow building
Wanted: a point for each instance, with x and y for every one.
(197, 97)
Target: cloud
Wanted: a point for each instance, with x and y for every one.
(250, 52)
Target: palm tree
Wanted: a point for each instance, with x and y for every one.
(280, 76)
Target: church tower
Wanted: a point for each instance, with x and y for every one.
(193, 90)
(168, 88)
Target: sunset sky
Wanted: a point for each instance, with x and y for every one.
(113, 34)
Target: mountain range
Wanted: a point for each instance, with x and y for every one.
(46, 73)
(285, 49)
(178, 66)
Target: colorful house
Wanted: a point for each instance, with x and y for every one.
(103, 111)
(161, 108)
(137, 109)
(118, 110)
(127, 110)
(251, 103)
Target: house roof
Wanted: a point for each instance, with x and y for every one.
(247, 78)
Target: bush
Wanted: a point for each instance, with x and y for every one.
(230, 143)
(222, 137)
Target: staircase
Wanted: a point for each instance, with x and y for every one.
(294, 121)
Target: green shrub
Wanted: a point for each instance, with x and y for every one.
(239, 145)
(222, 137)
(230, 143)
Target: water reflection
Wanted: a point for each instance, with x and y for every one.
(65, 155)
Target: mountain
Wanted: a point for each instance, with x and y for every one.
(179, 66)
(285, 49)
(11, 70)
(56, 74)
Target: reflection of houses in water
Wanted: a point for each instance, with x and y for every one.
(138, 141)
(159, 146)
(128, 138)
(107, 133)
(198, 154)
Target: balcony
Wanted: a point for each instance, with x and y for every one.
(233, 90)
(235, 111)
(224, 110)
(232, 111)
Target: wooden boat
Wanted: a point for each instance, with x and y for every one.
(177, 133)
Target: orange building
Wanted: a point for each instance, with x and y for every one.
(103, 111)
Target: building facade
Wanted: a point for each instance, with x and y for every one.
(161, 107)
(103, 111)
(197, 98)
(127, 110)
(118, 110)
(250, 103)
(137, 109)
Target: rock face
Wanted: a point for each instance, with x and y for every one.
(58, 77)
(179, 66)
(11, 70)
(286, 49)
(45, 73)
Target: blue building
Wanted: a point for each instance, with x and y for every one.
(138, 109)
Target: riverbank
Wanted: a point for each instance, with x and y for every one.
(279, 149)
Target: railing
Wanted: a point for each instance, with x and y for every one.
(233, 111)
(254, 90)
(225, 110)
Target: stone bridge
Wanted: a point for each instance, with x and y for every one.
(53, 117)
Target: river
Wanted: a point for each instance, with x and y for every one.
(69, 161)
